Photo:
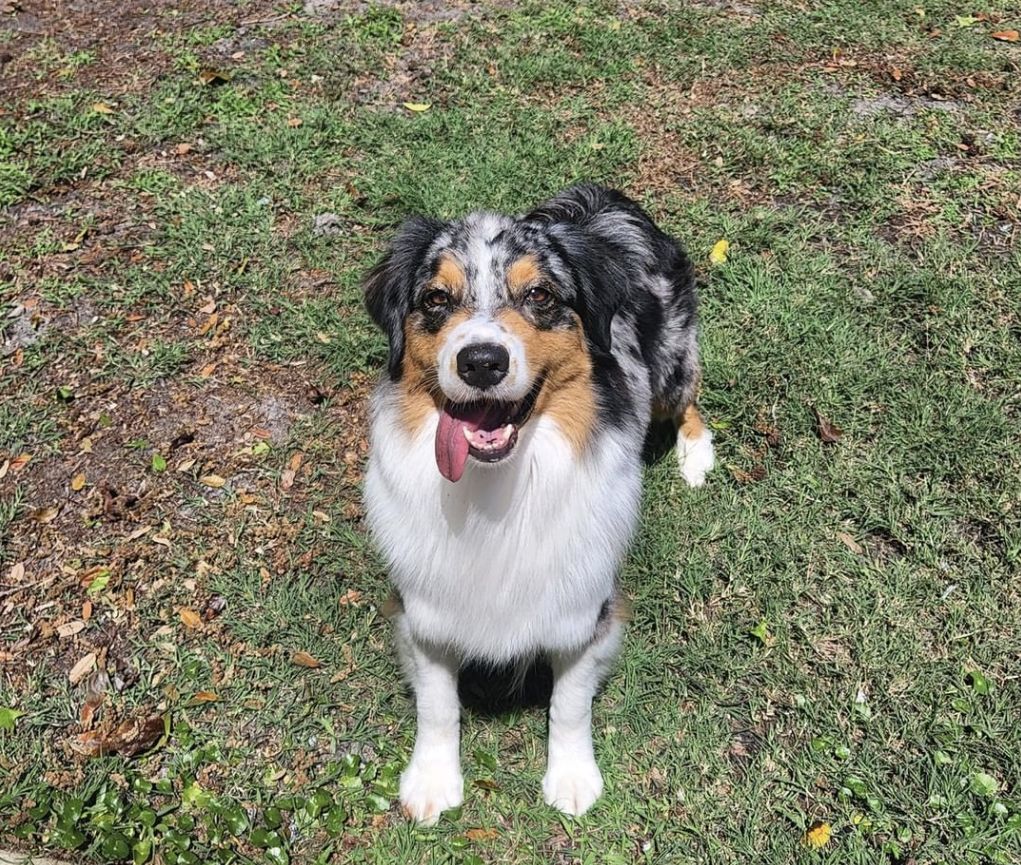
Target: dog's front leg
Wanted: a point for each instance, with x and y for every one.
(432, 783)
(573, 781)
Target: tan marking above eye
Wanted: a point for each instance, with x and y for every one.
(523, 273)
(450, 276)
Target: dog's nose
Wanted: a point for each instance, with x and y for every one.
(483, 365)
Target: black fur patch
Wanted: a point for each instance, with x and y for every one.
(391, 284)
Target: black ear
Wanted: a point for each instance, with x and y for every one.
(602, 290)
(391, 283)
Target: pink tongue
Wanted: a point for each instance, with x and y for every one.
(451, 445)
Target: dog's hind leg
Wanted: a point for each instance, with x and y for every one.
(695, 453)
(573, 782)
(432, 783)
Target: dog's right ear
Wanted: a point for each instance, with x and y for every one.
(390, 285)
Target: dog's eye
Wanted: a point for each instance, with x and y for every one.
(539, 296)
(437, 298)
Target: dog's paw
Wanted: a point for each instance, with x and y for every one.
(430, 787)
(572, 787)
(695, 457)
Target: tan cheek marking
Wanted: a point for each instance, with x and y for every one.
(568, 396)
(692, 426)
(419, 388)
(450, 276)
(522, 273)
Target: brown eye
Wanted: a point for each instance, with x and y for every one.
(437, 298)
(540, 295)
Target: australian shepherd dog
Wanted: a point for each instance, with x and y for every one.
(528, 355)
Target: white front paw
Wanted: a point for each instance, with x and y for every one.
(429, 787)
(696, 458)
(572, 787)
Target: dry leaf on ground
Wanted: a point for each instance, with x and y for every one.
(828, 431)
(850, 543)
(304, 659)
(190, 618)
(69, 629)
(80, 670)
(132, 737)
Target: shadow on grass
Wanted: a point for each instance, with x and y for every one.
(492, 692)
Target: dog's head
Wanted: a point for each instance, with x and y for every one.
(493, 321)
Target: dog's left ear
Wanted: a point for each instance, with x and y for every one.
(601, 292)
(391, 283)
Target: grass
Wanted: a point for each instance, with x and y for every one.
(827, 633)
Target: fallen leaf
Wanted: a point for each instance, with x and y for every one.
(69, 629)
(44, 515)
(486, 784)
(286, 479)
(211, 77)
(99, 582)
(295, 461)
(159, 462)
(132, 737)
(17, 572)
(762, 634)
(850, 543)
(80, 670)
(190, 618)
(294, 122)
(183, 149)
(78, 481)
(186, 465)
(481, 834)
(9, 717)
(209, 324)
(818, 835)
(304, 659)
(204, 697)
(214, 481)
(20, 461)
(102, 108)
(740, 475)
(718, 254)
(965, 20)
(1006, 35)
(350, 598)
(770, 431)
(828, 431)
(87, 610)
(95, 692)
(418, 106)
(895, 73)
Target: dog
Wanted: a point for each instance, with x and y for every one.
(527, 357)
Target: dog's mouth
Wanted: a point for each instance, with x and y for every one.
(485, 430)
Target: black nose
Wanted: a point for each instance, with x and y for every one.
(482, 365)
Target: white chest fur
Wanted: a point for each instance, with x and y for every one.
(513, 559)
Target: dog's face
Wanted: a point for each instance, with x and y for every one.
(492, 321)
